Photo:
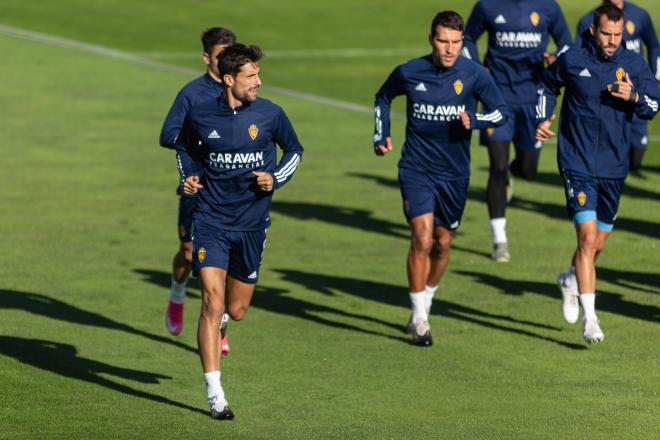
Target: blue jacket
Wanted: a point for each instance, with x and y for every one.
(229, 145)
(638, 31)
(518, 34)
(594, 126)
(436, 141)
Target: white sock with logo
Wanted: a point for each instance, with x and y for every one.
(418, 302)
(498, 228)
(428, 296)
(588, 301)
(178, 291)
(214, 393)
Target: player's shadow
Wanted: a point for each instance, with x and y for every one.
(63, 359)
(608, 302)
(163, 279)
(277, 301)
(351, 217)
(46, 306)
(395, 296)
(387, 182)
(552, 210)
(636, 281)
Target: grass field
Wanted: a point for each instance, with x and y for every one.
(89, 229)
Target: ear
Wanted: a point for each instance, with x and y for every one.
(228, 80)
(431, 39)
(592, 29)
(207, 58)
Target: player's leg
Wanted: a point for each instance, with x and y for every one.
(638, 143)
(418, 267)
(239, 295)
(496, 198)
(526, 164)
(181, 264)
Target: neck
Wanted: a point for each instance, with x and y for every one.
(231, 100)
(213, 75)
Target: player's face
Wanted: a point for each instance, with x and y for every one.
(211, 60)
(245, 84)
(447, 44)
(608, 35)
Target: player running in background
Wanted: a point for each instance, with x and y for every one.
(637, 33)
(234, 139)
(518, 35)
(442, 90)
(605, 85)
(207, 86)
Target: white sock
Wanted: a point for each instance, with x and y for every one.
(571, 277)
(498, 228)
(214, 388)
(418, 302)
(588, 301)
(178, 291)
(428, 296)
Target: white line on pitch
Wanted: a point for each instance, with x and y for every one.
(354, 52)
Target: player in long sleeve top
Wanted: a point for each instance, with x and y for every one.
(442, 91)
(638, 33)
(234, 138)
(203, 88)
(605, 85)
(518, 36)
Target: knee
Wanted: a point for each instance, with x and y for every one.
(442, 245)
(422, 244)
(528, 173)
(499, 171)
(589, 243)
(237, 311)
(213, 303)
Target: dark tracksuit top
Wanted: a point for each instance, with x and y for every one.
(594, 127)
(637, 33)
(518, 34)
(436, 141)
(229, 145)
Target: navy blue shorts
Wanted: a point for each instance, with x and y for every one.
(237, 252)
(422, 194)
(520, 128)
(186, 210)
(639, 130)
(591, 198)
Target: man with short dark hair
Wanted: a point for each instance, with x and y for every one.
(207, 86)
(233, 138)
(605, 86)
(638, 33)
(518, 36)
(442, 91)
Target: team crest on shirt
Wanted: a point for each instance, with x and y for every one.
(201, 255)
(535, 18)
(630, 27)
(458, 86)
(490, 131)
(582, 198)
(253, 131)
(406, 206)
(620, 73)
(182, 231)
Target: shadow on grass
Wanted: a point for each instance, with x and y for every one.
(45, 306)
(164, 280)
(607, 301)
(351, 217)
(395, 295)
(630, 279)
(63, 359)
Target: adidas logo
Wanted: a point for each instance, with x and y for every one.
(214, 135)
(500, 19)
(585, 73)
(421, 87)
(253, 275)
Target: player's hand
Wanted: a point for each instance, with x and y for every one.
(264, 180)
(624, 90)
(549, 58)
(382, 150)
(543, 132)
(465, 119)
(191, 186)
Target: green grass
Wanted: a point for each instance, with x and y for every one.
(88, 225)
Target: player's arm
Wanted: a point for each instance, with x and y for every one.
(561, 34)
(645, 94)
(552, 82)
(187, 158)
(652, 46)
(582, 34)
(392, 87)
(286, 138)
(489, 95)
(174, 121)
(476, 25)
